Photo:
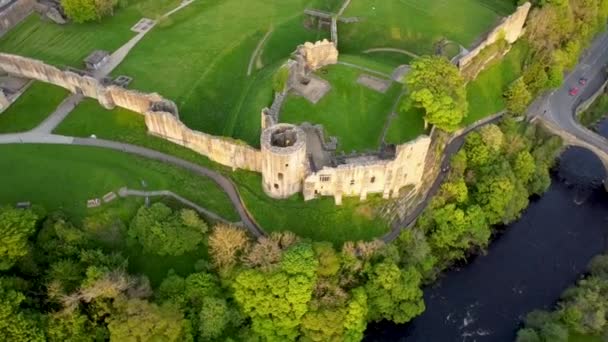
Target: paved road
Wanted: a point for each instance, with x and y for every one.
(557, 109)
(52, 121)
(222, 181)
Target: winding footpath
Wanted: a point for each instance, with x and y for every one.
(223, 182)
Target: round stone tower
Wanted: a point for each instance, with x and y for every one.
(284, 163)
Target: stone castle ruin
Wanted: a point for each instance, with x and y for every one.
(292, 159)
(285, 158)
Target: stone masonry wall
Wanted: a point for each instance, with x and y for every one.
(368, 175)
(228, 152)
(510, 28)
(318, 54)
(14, 13)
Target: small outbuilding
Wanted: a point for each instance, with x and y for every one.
(96, 59)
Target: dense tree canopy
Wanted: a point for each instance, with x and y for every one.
(16, 226)
(435, 85)
(82, 11)
(162, 231)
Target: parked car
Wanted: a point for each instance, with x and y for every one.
(582, 81)
(573, 91)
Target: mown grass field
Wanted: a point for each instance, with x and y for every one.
(406, 126)
(319, 219)
(32, 107)
(485, 93)
(201, 61)
(350, 111)
(65, 177)
(70, 44)
(416, 25)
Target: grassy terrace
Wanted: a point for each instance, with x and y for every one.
(64, 177)
(350, 111)
(31, 108)
(597, 111)
(70, 44)
(319, 219)
(201, 61)
(416, 25)
(485, 93)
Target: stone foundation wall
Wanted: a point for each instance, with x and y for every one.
(368, 175)
(510, 28)
(14, 13)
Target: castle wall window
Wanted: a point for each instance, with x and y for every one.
(324, 178)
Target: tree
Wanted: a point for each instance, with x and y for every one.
(276, 302)
(599, 266)
(524, 166)
(494, 193)
(394, 294)
(436, 86)
(329, 260)
(81, 11)
(355, 321)
(528, 335)
(214, 317)
(16, 226)
(164, 232)
(15, 325)
(518, 97)
(138, 320)
(226, 243)
(72, 327)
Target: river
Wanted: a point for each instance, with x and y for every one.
(525, 268)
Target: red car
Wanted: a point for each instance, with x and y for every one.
(573, 91)
(582, 81)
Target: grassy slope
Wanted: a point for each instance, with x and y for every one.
(406, 126)
(597, 111)
(201, 61)
(485, 93)
(350, 111)
(32, 107)
(318, 219)
(66, 176)
(415, 25)
(70, 44)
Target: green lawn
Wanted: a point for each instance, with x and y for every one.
(70, 44)
(406, 126)
(485, 93)
(350, 111)
(319, 219)
(32, 107)
(416, 25)
(201, 61)
(64, 177)
(383, 65)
